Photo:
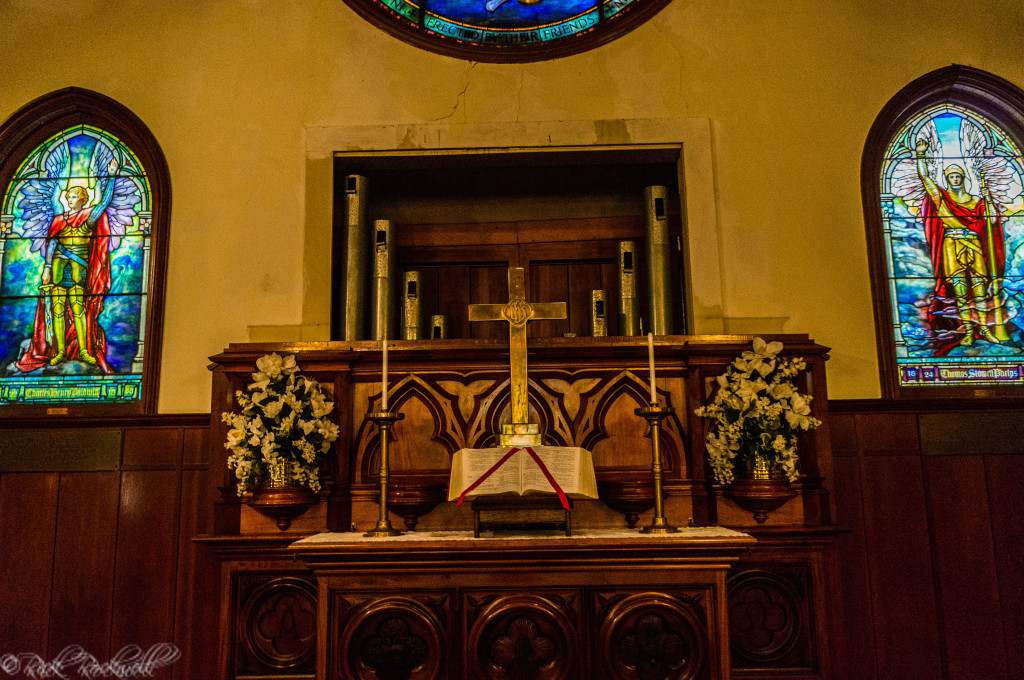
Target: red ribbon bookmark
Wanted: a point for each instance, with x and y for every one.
(540, 464)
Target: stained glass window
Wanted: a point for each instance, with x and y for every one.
(74, 272)
(507, 30)
(953, 228)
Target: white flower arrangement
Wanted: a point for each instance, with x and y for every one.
(757, 410)
(283, 422)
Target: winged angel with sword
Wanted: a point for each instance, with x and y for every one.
(74, 224)
(964, 233)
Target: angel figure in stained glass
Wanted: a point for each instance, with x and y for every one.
(964, 233)
(74, 222)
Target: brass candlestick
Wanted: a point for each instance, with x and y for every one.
(654, 415)
(384, 420)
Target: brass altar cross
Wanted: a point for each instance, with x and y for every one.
(518, 312)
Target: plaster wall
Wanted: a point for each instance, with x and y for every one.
(236, 91)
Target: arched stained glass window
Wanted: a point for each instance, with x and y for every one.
(76, 273)
(951, 199)
(507, 30)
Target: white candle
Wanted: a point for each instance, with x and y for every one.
(384, 379)
(650, 361)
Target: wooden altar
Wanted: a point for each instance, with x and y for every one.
(583, 392)
(605, 604)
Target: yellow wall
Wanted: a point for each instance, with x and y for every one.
(232, 88)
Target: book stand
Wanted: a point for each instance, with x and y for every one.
(520, 513)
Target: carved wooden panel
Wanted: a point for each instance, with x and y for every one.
(583, 392)
(446, 411)
(769, 617)
(653, 635)
(276, 625)
(522, 637)
(391, 638)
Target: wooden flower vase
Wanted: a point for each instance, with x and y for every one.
(412, 497)
(631, 497)
(282, 503)
(759, 496)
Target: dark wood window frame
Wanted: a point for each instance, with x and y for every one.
(1001, 102)
(48, 115)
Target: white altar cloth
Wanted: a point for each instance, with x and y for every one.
(686, 534)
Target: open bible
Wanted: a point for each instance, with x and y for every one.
(571, 468)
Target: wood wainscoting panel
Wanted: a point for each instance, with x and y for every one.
(1005, 477)
(843, 433)
(147, 548)
(854, 651)
(196, 449)
(887, 434)
(97, 558)
(900, 568)
(28, 508)
(83, 562)
(152, 447)
(968, 594)
(197, 580)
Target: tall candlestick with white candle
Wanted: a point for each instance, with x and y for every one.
(384, 378)
(650, 362)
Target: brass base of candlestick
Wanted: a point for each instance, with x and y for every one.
(383, 532)
(659, 528)
(654, 415)
(384, 420)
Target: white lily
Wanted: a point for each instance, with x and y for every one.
(269, 365)
(260, 436)
(752, 414)
(273, 409)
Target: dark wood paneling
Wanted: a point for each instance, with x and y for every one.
(147, 549)
(1005, 479)
(91, 558)
(28, 521)
(972, 433)
(973, 528)
(433, 235)
(583, 278)
(455, 308)
(489, 285)
(83, 565)
(843, 434)
(152, 447)
(36, 449)
(855, 640)
(965, 567)
(900, 568)
(548, 283)
(888, 434)
(196, 449)
(576, 232)
(578, 254)
(198, 580)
